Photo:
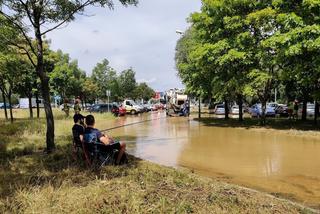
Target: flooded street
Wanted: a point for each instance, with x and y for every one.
(275, 162)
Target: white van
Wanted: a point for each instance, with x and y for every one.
(131, 107)
(24, 103)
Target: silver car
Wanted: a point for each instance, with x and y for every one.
(219, 109)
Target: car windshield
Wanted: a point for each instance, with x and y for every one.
(310, 106)
(271, 105)
(132, 102)
(220, 106)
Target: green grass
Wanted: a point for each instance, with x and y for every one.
(32, 182)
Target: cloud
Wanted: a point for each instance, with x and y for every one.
(141, 37)
(148, 81)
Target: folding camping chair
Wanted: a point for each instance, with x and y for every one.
(98, 154)
(79, 150)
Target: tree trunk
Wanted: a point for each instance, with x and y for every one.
(37, 103)
(263, 112)
(49, 116)
(316, 112)
(240, 108)
(82, 103)
(44, 89)
(226, 110)
(199, 114)
(10, 107)
(304, 110)
(30, 105)
(5, 105)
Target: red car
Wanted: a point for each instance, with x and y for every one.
(118, 110)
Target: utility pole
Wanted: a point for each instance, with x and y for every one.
(108, 93)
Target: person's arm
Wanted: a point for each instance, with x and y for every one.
(81, 137)
(105, 140)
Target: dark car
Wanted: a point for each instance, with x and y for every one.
(103, 107)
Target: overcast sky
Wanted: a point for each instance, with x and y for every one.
(141, 37)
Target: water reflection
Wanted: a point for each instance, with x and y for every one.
(271, 161)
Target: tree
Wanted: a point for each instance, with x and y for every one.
(222, 50)
(262, 77)
(99, 76)
(89, 90)
(27, 84)
(297, 48)
(127, 83)
(39, 18)
(143, 91)
(66, 77)
(12, 68)
(192, 74)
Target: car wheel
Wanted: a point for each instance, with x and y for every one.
(133, 112)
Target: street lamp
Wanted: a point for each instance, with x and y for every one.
(179, 32)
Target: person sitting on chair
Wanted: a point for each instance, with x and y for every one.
(104, 139)
(78, 135)
(78, 128)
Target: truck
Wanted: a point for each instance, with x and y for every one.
(177, 102)
(24, 103)
(131, 107)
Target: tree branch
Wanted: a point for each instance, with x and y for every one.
(25, 5)
(26, 52)
(86, 3)
(20, 29)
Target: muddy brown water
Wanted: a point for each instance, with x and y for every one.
(275, 162)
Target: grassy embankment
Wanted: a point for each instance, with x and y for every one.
(32, 182)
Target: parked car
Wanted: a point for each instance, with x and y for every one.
(118, 110)
(282, 110)
(147, 107)
(256, 111)
(87, 106)
(2, 105)
(103, 107)
(219, 109)
(310, 109)
(235, 109)
(272, 105)
(154, 107)
(131, 107)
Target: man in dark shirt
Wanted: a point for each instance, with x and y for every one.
(78, 129)
(94, 135)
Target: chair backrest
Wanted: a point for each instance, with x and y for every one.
(76, 138)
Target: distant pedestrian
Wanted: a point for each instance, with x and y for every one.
(77, 107)
(66, 107)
